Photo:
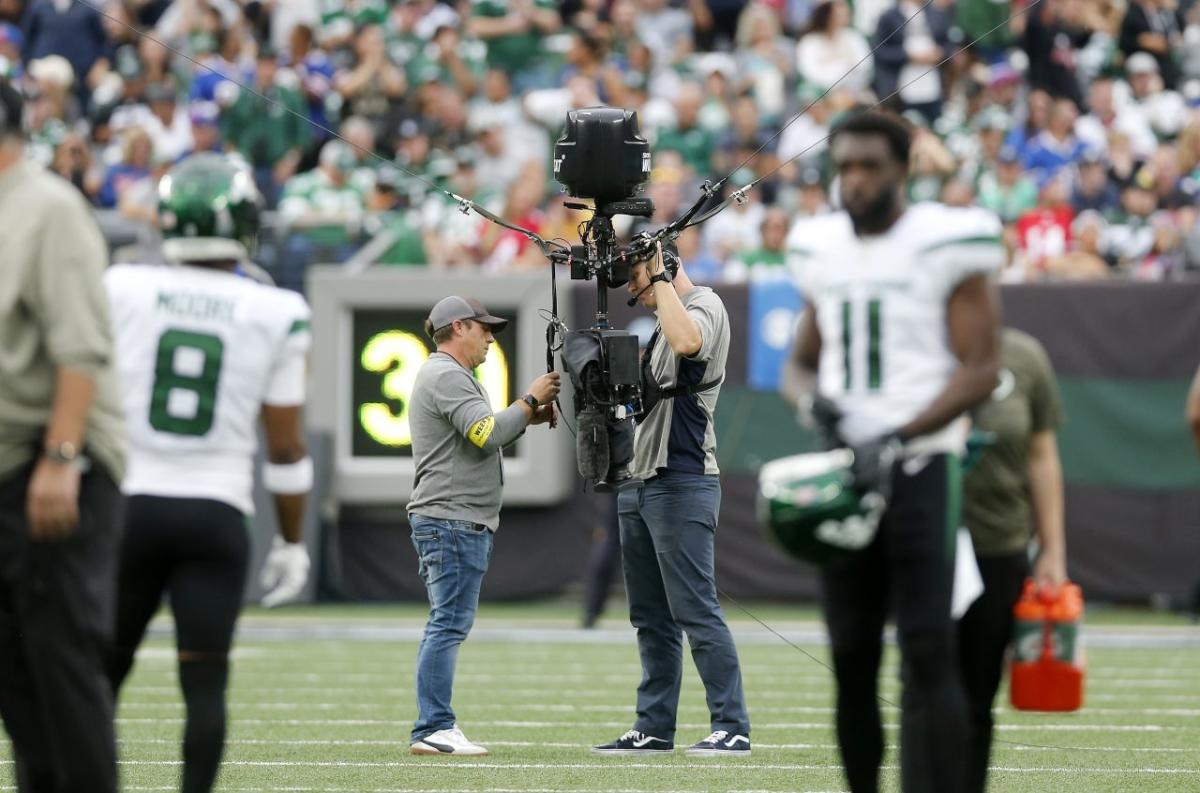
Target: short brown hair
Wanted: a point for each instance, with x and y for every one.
(444, 333)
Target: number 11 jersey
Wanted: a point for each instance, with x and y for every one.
(199, 352)
(881, 311)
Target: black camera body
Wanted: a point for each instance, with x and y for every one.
(602, 156)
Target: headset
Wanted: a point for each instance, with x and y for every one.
(643, 242)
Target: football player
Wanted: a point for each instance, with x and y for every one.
(203, 353)
(900, 334)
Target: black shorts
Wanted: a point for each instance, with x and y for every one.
(908, 570)
(196, 551)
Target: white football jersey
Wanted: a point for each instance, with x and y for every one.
(881, 311)
(199, 352)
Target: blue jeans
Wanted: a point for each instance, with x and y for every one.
(668, 529)
(454, 555)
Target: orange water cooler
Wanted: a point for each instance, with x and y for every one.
(1048, 660)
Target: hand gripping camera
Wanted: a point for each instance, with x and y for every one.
(602, 156)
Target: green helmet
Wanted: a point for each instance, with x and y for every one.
(809, 505)
(208, 209)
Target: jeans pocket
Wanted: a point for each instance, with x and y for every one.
(429, 553)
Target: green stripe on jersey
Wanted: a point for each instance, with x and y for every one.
(977, 240)
(299, 325)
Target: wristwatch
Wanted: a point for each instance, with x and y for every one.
(531, 400)
(66, 452)
(663, 277)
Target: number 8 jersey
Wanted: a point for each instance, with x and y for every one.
(199, 352)
(881, 311)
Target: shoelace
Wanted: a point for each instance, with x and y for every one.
(716, 737)
(632, 735)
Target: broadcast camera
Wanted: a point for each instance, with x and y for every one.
(602, 156)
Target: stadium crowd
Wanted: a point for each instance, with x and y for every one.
(1077, 121)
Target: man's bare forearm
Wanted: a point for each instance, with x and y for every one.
(73, 393)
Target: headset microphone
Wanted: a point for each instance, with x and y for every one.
(631, 302)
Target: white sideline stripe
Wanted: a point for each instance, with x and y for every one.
(801, 725)
(566, 708)
(376, 692)
(735, 767)
(249, 678)
(325, 789)
(583, 745)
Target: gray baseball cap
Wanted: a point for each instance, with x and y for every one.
(452, 308)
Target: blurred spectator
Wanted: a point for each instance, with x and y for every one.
(930, 164)
(701, 265)
(206, 129)
(267, 127)
(514, 31)
(165, 120)
(314, 69)
(73, 30)
(807, 138)
(813, 200)
(831, 52)
(693, 142)
(1044, 232)
(1154, 28)
(764, 59)
(665, 29)
(910, 42)
(1056, 147)
(452, 238)
(1163, 109)
(324, 198)
(765, 262)
(73, 162)
(1093, 190)
(448, 60)
(375, 86)
(1007, 190)
(1051, 41)
(1132, 237)
(503, 249)
(1033, 118)
(1104, 117)
(11, 43)
(137, 150)
(383, 207)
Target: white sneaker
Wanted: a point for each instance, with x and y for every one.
(451, 741)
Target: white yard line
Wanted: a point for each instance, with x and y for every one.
(602, 725)
(443, 764)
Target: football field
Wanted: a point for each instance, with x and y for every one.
(322, 700)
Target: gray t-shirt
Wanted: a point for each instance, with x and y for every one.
(456, 441)
(678, 433)
(53, 313)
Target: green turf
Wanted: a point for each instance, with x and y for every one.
(333, 714)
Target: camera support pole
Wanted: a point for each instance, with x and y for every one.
(606, 246)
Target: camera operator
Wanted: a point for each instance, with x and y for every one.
(668, 521)
(455, 504)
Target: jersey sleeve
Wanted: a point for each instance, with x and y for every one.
(968, 243)
(709, 316)
(1045, 404)
(287, 383)
(471, 415)
(798, 257)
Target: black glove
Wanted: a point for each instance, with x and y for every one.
(873, 463)
(826, 417)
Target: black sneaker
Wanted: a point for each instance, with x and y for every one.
(634, 742)
(721, 744)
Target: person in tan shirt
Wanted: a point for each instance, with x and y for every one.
(61, 456)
